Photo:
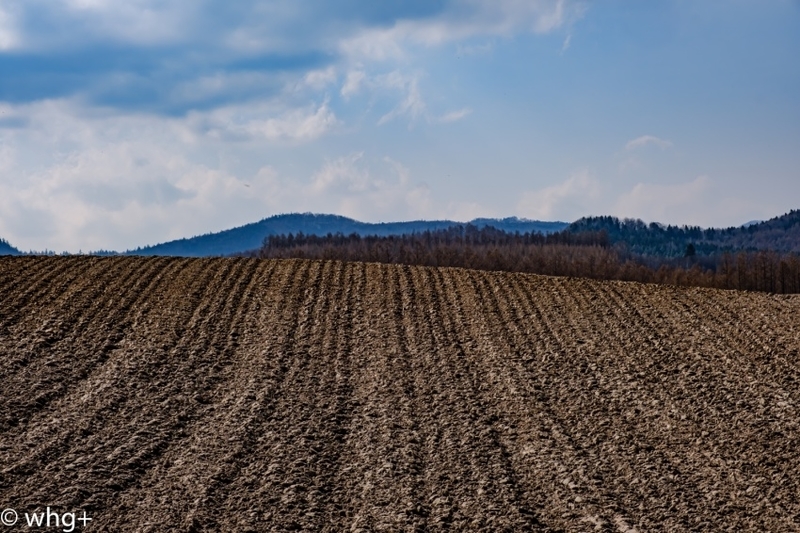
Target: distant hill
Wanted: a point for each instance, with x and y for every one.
(7, 249)
(251, 236)
(752, 223)
(522, 225)
(779, 234)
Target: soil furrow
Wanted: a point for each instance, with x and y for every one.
(47, 364)
(46, 370)
(47, 284)
(220, 440)
(325, 415)
(709, 391)
(601, 391)
(590, 487)
(204, 361)
(481, 366)
(539, 436)
(458, 434)
(208, 424)
(286, 476)
(16, 272)
(86, 352)
(380, 465)
(163, 394)
(120, 380)
(647, 415)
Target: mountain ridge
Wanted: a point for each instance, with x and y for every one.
(778, 234)
(251, 236)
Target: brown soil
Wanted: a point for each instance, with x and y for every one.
(164, 394)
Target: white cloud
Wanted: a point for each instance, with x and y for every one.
(685, 203)
(141, 22)
(340, 175)
(319, 79)
(225, 53)
(76, 179)
(254, 25)
(453, 116)
(9, 36)
(374, 44)
(91, 170)
(298, 124)
(117, 182)
(472, 19)
(547, 19)
(111, 181)
(115, 198)
(645, 140)
(364, 188)
(698, 202)
(466, 211)
(359, 190)
(567, 200)
(460, 21)
(7, 158)
(353, 82)
(268, 121)
(412, 105)
(567, 42)
(97, 196)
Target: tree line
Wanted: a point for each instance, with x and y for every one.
(588, 254)
(780, 234)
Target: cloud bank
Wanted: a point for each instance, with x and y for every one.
(127, 123)
(123, 123)
(172, 56)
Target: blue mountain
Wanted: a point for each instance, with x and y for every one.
(251, 236)
(7, 249)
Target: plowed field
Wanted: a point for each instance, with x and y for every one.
(163, 394)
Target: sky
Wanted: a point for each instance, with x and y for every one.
(130, 123)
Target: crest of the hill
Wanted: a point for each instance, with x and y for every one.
(251, 236)
(779, 234)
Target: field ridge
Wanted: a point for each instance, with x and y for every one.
(274, 395)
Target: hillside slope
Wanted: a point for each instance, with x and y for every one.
(163, 394)
(7, 249)
(251, 236)
(779, 234)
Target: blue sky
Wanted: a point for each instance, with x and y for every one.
(128, 123)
